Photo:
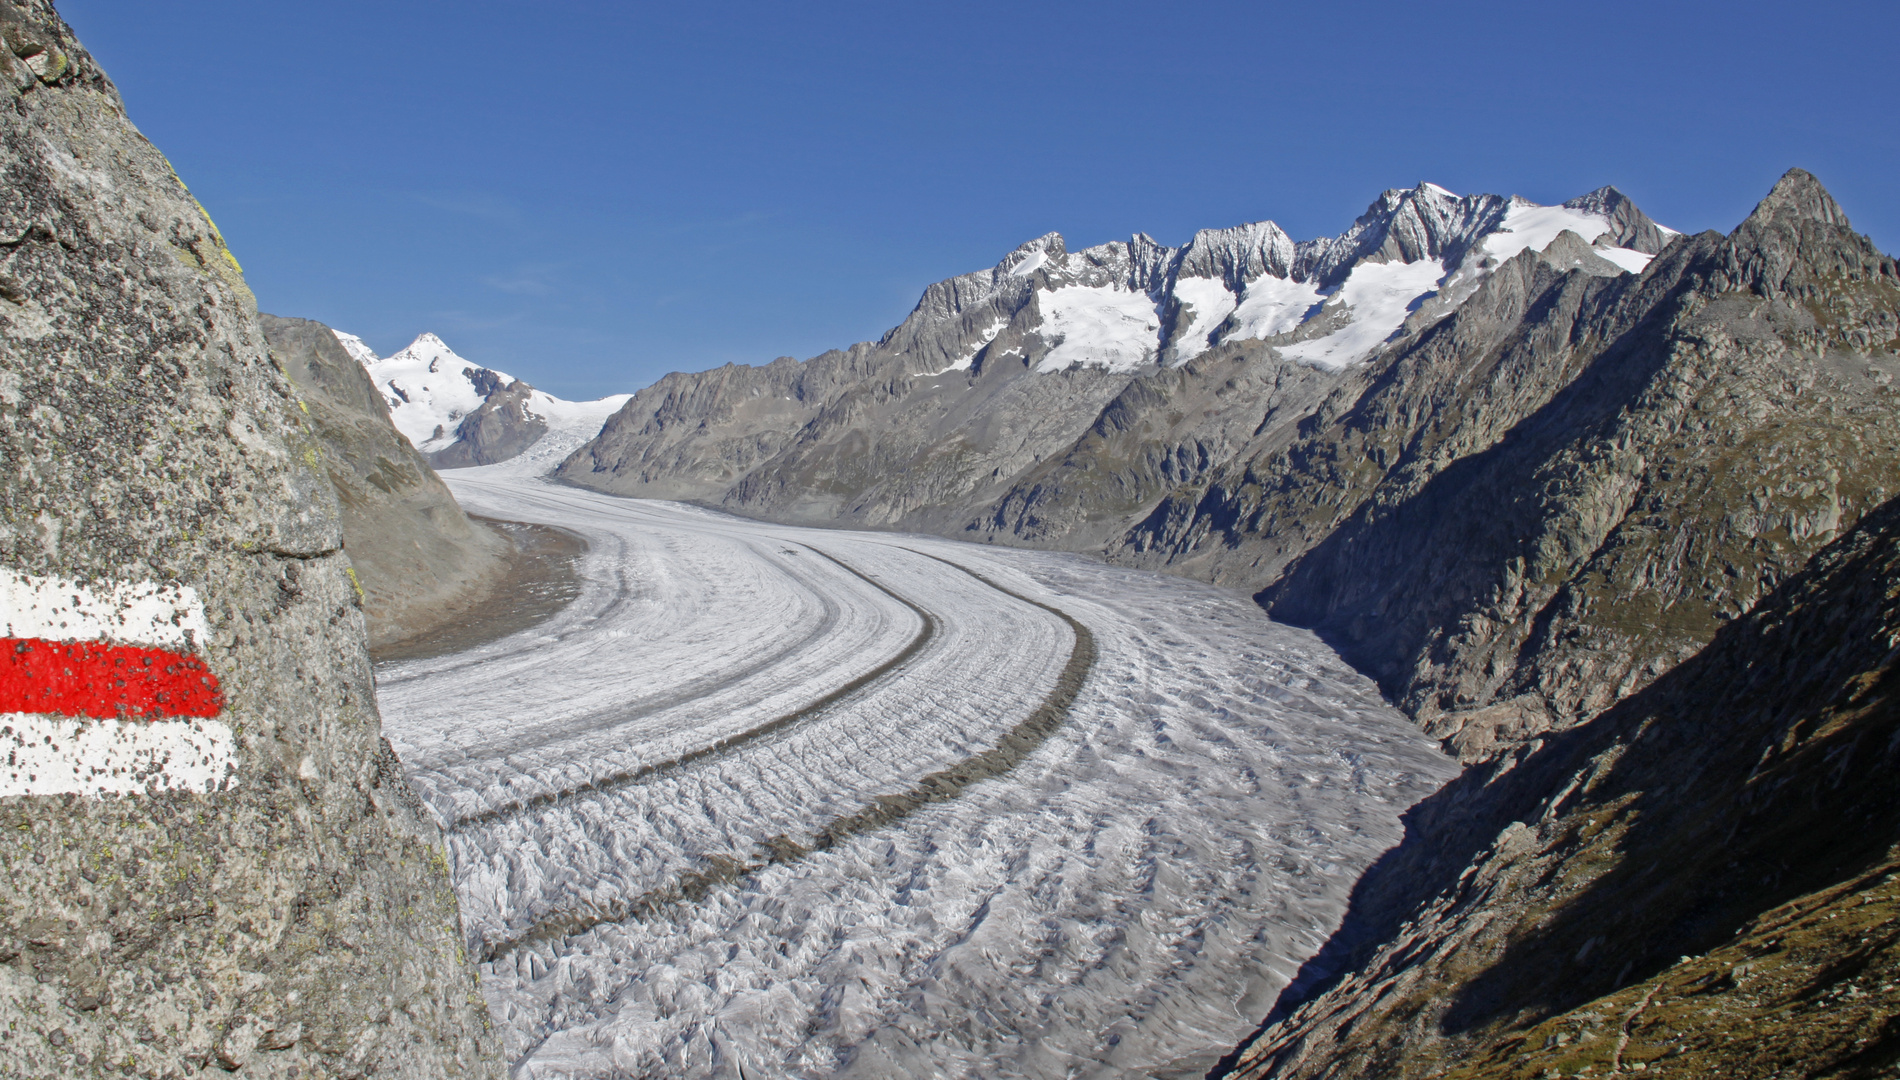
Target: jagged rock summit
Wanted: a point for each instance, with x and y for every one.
(1330, 301)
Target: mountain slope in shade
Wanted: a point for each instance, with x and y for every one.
(1700, 882)
(459, 413)
(418, 558)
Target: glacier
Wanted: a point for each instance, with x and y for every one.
(699, 823)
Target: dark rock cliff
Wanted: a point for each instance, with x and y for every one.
(417, 556)
(292, 914)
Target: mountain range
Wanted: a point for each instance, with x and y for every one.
(956, 421)
(1607, 509)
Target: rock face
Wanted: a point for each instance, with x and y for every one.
(1566, 487)
(417, 557)
(1573, 908)
(503, 427)
(269, 900)
(1553, 480)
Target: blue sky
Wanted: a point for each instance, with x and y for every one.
(588, 195)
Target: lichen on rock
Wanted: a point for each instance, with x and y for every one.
(295, 918)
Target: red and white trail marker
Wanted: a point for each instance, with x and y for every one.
(102, 690)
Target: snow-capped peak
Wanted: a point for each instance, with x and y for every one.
(358, 350)
(429, 388)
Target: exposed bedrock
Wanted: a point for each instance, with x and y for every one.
(1701, 880)
(275, 900)
(1553, 482)
(417, 556)
(501, 429)
(1569, 485)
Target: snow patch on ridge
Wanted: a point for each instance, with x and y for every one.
(1030, 263)
(1101, 325)
(1210, 304)
(1379, 296)
(987, 335)
(1632, 261)
(357, 348)
(1527, 225)
(1273, 306)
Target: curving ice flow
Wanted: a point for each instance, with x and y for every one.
(770, 801)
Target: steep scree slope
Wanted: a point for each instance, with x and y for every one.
(417, 556)
(269, 898)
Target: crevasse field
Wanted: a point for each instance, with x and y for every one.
(779, 802)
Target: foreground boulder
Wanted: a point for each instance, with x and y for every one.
(212, 860)
(419, 559)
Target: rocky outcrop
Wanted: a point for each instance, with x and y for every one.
(1699, 881)
(270, 899)
(418, 558)
(502, 428)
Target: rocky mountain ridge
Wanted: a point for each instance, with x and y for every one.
(956, 413)
(1529, 365)
(1617, 534)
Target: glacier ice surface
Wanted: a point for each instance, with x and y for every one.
(1133, 893)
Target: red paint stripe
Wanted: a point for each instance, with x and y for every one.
(104, 682)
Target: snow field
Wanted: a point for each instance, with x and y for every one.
(1210, 304)
(1105, 326)
(1133, 893)
(1380, 296)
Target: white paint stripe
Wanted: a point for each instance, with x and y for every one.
(55, 755)
(125, 613)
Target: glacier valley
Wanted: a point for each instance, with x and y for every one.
(778, 801)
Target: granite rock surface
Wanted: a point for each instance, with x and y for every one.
(294, 918)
